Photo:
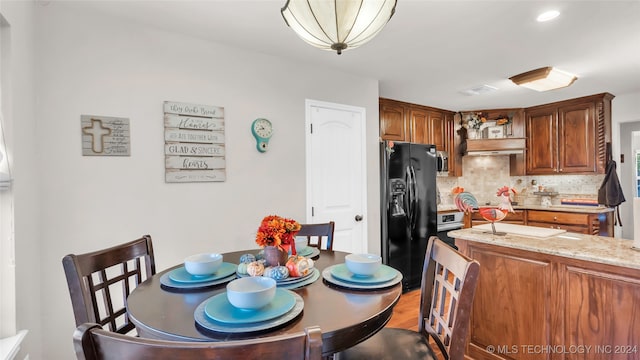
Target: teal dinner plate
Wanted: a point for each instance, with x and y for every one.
(384, 274)
(328, 277)
(306, 252)
(220, 309)
(182, 276)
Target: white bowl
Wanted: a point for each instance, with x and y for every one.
(251, 292)
(363, 264)
(203, 264)
(301, 243)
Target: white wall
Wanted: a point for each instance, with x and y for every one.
(91, 64)
(625, 109)
(20, 118)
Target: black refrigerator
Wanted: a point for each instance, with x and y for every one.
(408, 197)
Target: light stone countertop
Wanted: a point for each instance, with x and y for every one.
(600, 249)
(565, 208)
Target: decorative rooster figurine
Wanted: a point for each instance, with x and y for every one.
(468, 203)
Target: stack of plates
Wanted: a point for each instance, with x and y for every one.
(295, 282)
(218, 315)
(340, 275)
(179, 278)
(309, 252)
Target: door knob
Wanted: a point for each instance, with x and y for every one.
(359, 217)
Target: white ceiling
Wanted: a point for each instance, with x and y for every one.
(430, 51)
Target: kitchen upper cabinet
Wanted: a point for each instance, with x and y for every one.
(400, 121)
(569, 137)
(392, 121)
(428, 127)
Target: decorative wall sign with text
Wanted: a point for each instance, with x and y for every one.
(105, 136)
(194, 143)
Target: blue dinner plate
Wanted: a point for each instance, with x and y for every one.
(220, 309)
(384, 274)
(306, 252)
(182, 276)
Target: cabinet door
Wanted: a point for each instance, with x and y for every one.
(601, 311)
(577, 138)
(511, 291)
(419, 120)
(437, 130)
(392, 122)
(542, 143)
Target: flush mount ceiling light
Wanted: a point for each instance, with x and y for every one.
(543, 79)
(548, 15)
(337, 24)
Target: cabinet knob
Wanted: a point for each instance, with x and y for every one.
(555, 218)
(561, 170)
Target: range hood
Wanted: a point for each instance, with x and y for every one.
(494, 147)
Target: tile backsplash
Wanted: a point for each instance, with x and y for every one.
(483, 175)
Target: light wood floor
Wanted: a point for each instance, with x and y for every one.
(405, 313)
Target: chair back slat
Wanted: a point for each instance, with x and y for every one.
(91, 342)
(449, 280)
(318, 234)
(100, 281)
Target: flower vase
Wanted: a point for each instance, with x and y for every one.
(274, 256)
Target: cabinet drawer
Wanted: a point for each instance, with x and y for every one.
(558, 217)
(570, 228)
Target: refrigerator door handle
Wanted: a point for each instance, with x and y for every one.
(414, 198)
(409, 197)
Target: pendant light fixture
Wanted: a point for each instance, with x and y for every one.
(543, 79)
(337, 24)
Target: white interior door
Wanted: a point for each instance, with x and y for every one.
(336, 166)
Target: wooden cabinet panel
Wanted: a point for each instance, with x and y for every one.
(419, 120)
(542, 145)
(569, 137)
(510, 304)
(558, 217)
(392, 122)
(437, 130)
(576, 137)
(601, 311)
(400, 121)
(551, 307)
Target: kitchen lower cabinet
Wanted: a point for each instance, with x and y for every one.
(530, 305)
(583, 223)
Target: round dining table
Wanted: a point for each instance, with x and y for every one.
(345, 316)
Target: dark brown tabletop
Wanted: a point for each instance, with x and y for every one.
(345, 316)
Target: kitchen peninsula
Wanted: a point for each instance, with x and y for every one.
(568, 296)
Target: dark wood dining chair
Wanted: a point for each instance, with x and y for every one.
(100, 281)
(449, 281)
(318, 235)
(91, 342)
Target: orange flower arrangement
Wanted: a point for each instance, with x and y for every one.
(277, 231)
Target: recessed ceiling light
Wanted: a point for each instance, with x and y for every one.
(548, 15)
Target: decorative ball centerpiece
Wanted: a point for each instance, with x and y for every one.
(299, 265)
(276, 235)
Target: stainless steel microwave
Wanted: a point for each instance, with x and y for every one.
(443, 161)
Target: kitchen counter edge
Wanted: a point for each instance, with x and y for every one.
(599, 249)
(565, 208)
